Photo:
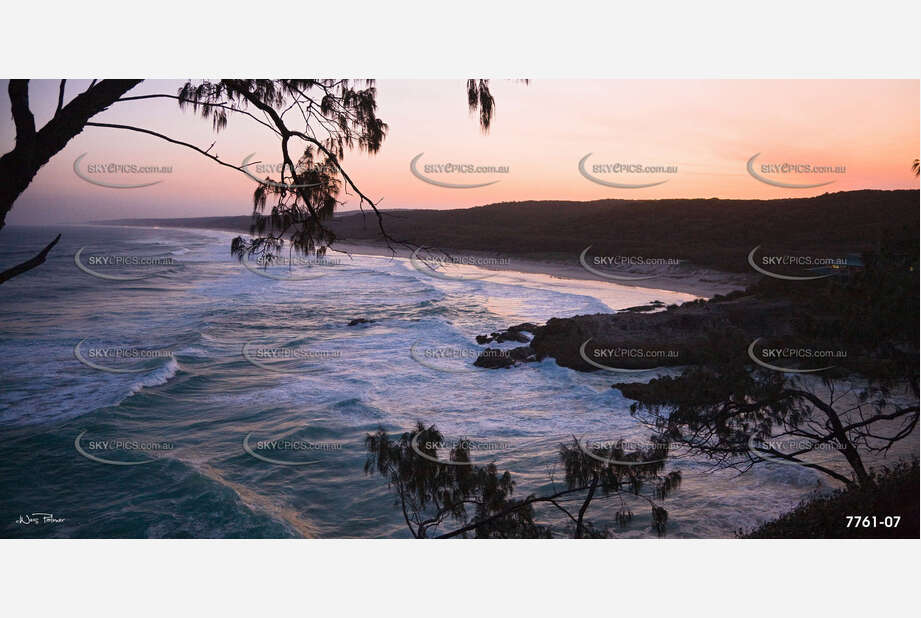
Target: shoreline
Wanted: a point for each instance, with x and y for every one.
(685, 279)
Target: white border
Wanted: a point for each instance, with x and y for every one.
(658, 39)
(460, 39)
(447, 579)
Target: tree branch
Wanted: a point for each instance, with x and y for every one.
(33, 148)
(507, 511)
(170, 140)
(203, 104)
(29, 264)
(22, 115)
(60, 97)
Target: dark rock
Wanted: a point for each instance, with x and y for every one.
(523, 354)
(656, 304)
(527, 327)
(492, 358)
(682, 335)
(358, 321)
(512, 333)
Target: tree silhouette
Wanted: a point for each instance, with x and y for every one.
(739, 414)
(316, 121)
(740, 418)
(431, 492)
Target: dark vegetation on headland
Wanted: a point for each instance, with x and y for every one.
(870, 312)
(894, 493)
(714, 233)
(730, 409)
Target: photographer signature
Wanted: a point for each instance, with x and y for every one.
(39, 518)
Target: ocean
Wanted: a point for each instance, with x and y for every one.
(153, 386)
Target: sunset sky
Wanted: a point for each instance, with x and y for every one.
(708, 129)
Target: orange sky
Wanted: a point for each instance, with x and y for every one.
(707, 128)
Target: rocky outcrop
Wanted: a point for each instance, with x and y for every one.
(682, 335)
(653, 306)
(512, 333)
(492, 358)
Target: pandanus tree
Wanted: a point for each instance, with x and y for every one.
(315, 121)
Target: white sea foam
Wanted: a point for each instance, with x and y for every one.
(374, 381)
(158, 377)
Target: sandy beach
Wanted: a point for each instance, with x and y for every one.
(686, 279)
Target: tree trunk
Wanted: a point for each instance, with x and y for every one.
(847, 447)
(588, 499)
(35, 148)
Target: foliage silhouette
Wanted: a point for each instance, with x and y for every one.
(478, 499)
(330, 117)
(739, 414)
